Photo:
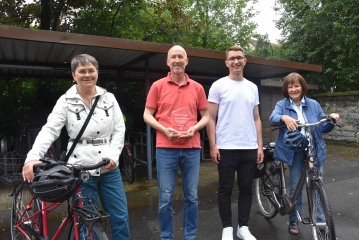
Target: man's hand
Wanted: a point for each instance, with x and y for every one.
(111, 166)
(260, 155)
(189, 134)
(28, 170)
(171, 133)
(215, 155)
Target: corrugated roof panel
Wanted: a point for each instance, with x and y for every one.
(6, 49)
(57, 51)
(43, 52)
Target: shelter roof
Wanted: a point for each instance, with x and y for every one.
(44, 54)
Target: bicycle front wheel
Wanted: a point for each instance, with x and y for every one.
(265, 206)
(21, 200)
(128, 167)
(88, 231)
(323, 224)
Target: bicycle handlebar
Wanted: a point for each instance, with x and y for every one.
(46, 162)
(328, 119)
(103, 163)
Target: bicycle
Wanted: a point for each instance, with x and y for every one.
(29, 213)
(271, 193)
(128, 164)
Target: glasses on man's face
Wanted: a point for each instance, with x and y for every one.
(90, 72)
(233, 59)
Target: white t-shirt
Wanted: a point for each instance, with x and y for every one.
(235, 126)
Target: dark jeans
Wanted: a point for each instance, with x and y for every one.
(244, 162)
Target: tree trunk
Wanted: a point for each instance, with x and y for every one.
(57, 13)
(45, 15)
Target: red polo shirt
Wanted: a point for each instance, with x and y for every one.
(165, 97)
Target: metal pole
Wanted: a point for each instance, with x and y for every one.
(119, 88)
(148, 127)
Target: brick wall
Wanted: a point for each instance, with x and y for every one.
(347, 105)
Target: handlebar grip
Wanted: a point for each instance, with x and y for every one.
(104, 162)
(39, 166)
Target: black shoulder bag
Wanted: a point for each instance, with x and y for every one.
(65, 157)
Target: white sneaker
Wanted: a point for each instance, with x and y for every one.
(227, 233)
(244, 233)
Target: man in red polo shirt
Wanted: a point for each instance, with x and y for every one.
(176, 99)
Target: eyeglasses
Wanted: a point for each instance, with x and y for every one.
(233, 59)
(90, 72)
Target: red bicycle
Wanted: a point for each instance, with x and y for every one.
(29, 212)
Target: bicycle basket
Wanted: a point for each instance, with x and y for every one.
(10, 168)
(56, 184)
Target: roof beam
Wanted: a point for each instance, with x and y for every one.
(138, 59)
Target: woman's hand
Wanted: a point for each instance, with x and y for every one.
(111, 166)
(28, 170)
(290, 122)
(335, 116)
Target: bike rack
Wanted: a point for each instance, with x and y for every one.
(138, 141)
(10, 166)
(204, 156)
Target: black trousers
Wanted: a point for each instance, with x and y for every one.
(244, 162)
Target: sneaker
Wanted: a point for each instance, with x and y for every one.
(245, 234)
(227, 233)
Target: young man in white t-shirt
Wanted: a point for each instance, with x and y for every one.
(235, 141)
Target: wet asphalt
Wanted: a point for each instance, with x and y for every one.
(341, 182)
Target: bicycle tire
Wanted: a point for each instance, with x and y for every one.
(97, 232)
(129, 168)
(326, 229)
(265, 206)
(22, 196)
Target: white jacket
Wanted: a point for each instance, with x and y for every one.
(103, 124)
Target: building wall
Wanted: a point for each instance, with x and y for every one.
(347, 105)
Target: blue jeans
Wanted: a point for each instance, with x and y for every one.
(168, 160)
(295, 172)
(113, 198)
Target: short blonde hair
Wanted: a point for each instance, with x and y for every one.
(235, 48)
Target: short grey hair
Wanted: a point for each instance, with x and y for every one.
(83, 59)
(168, 54)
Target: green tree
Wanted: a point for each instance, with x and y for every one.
(324, 33)
(219, 24)
(51, 15)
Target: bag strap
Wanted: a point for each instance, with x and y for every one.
(82, 130)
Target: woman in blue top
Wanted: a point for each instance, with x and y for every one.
(297, 108)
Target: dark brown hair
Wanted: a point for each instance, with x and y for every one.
(292, 78)
(235, 48)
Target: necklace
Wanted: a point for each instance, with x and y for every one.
(82, 95)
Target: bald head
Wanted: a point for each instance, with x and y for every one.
(175, 47)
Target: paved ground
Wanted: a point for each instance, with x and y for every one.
(341, 180)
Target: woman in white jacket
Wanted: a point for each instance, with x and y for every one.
(103, 138)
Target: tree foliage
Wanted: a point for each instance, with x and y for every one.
(325, 33)
(44, 14)
(218, 24)
(209, 24)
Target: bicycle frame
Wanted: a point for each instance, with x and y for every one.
(45, 210)
(309, 173)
